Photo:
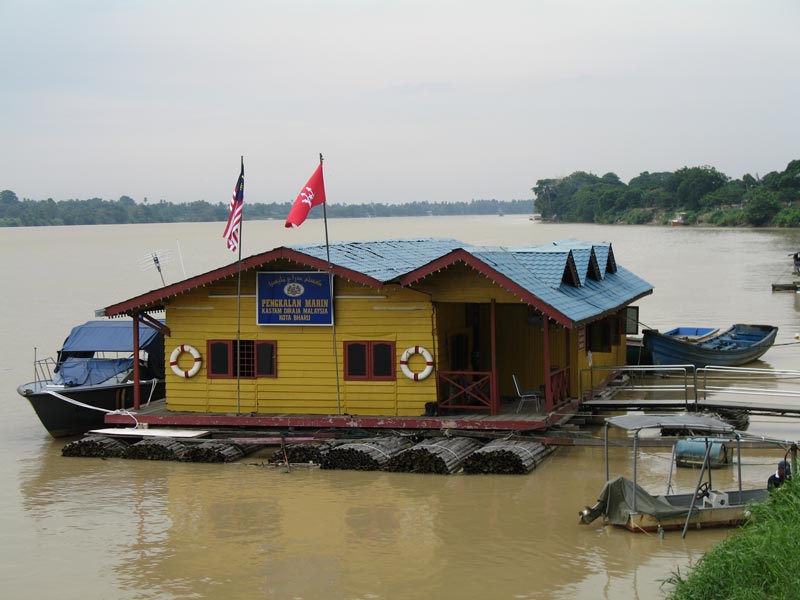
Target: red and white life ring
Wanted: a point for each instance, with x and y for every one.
(428, 363)
(173, 361)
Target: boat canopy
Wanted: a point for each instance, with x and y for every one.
(91, 371)
(108, 336)
(616, 502)
(113, 336)
(682, 421)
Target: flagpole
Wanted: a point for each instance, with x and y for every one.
(239, 316)
(333, 319)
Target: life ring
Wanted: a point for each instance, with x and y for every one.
(173, 361)
(428, 363)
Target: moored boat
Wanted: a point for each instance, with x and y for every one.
(703, 346)
(88, 378)
(623, 502)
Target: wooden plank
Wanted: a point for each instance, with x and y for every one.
(152, 433)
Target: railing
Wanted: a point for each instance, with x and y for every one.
(642, 378)
(559, 388)
(690, 383)
(43, 369)
(734, 374)
(467, 390)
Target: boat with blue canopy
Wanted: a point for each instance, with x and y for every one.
(92, 374)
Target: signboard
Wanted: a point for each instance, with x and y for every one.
(294, 298)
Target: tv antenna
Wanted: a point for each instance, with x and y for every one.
(154, 260)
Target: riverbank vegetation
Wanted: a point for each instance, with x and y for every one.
(758, 563)
(705, 196)
(96, 211)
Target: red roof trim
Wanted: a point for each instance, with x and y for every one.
(461, 255)
(155, 299)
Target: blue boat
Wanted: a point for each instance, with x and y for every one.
(704, 346)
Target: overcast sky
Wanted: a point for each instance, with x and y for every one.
(412, 100)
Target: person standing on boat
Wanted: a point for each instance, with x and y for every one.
(796, 262)
(783, 473)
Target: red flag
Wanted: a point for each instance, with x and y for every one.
(312, 194)
(235, 216)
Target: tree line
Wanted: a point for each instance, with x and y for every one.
(96, 211)
(704, 194)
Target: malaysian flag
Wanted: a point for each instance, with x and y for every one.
(235, 217)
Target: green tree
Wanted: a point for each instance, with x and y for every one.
(761, 206)
(691, 184)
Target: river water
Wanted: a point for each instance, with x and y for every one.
(90, 529)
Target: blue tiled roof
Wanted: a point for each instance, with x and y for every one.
(383, 260)
(538, 270)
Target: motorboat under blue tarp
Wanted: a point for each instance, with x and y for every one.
(93, 375)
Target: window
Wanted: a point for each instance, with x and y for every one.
(600, 334)
(631, 315)
(369, 361)
(253, 359)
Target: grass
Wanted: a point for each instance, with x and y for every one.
(760, 562)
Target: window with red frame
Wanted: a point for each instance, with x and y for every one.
(253, 359)
(369, 361)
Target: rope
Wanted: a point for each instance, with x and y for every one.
(76, 403)
(372, 446)
(120, 411)
(152, 391)
(524, 449)
(440, 447)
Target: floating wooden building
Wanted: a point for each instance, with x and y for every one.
(396, 333)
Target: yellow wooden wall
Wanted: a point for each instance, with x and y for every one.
(306, 381)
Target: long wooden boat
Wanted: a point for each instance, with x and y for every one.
(701, 346)
(73, 392)
(624, 503)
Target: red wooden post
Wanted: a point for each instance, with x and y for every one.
(548, 384)
(136, 373)
(494, 385)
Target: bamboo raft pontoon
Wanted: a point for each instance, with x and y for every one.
(438, 455)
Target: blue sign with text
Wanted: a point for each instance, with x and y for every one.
(294, 298)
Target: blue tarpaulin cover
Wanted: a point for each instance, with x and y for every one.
(91, 371)
(108, 336)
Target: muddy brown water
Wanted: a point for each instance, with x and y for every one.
(90, 528)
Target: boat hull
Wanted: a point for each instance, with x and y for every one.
(704, 515)
(720, 350)
(64, 419)
(705, 518)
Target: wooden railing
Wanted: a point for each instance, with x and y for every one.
(467, 390)
(559, 388)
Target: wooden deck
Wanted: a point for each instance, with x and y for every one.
(157, 415)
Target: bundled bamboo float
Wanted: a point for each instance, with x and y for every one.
(300, 453)
(217, 452)
(500, 456)
(156, 449)
(95, 446)
(364, 455)
(436, 455)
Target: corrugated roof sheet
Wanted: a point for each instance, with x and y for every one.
(538, 270)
